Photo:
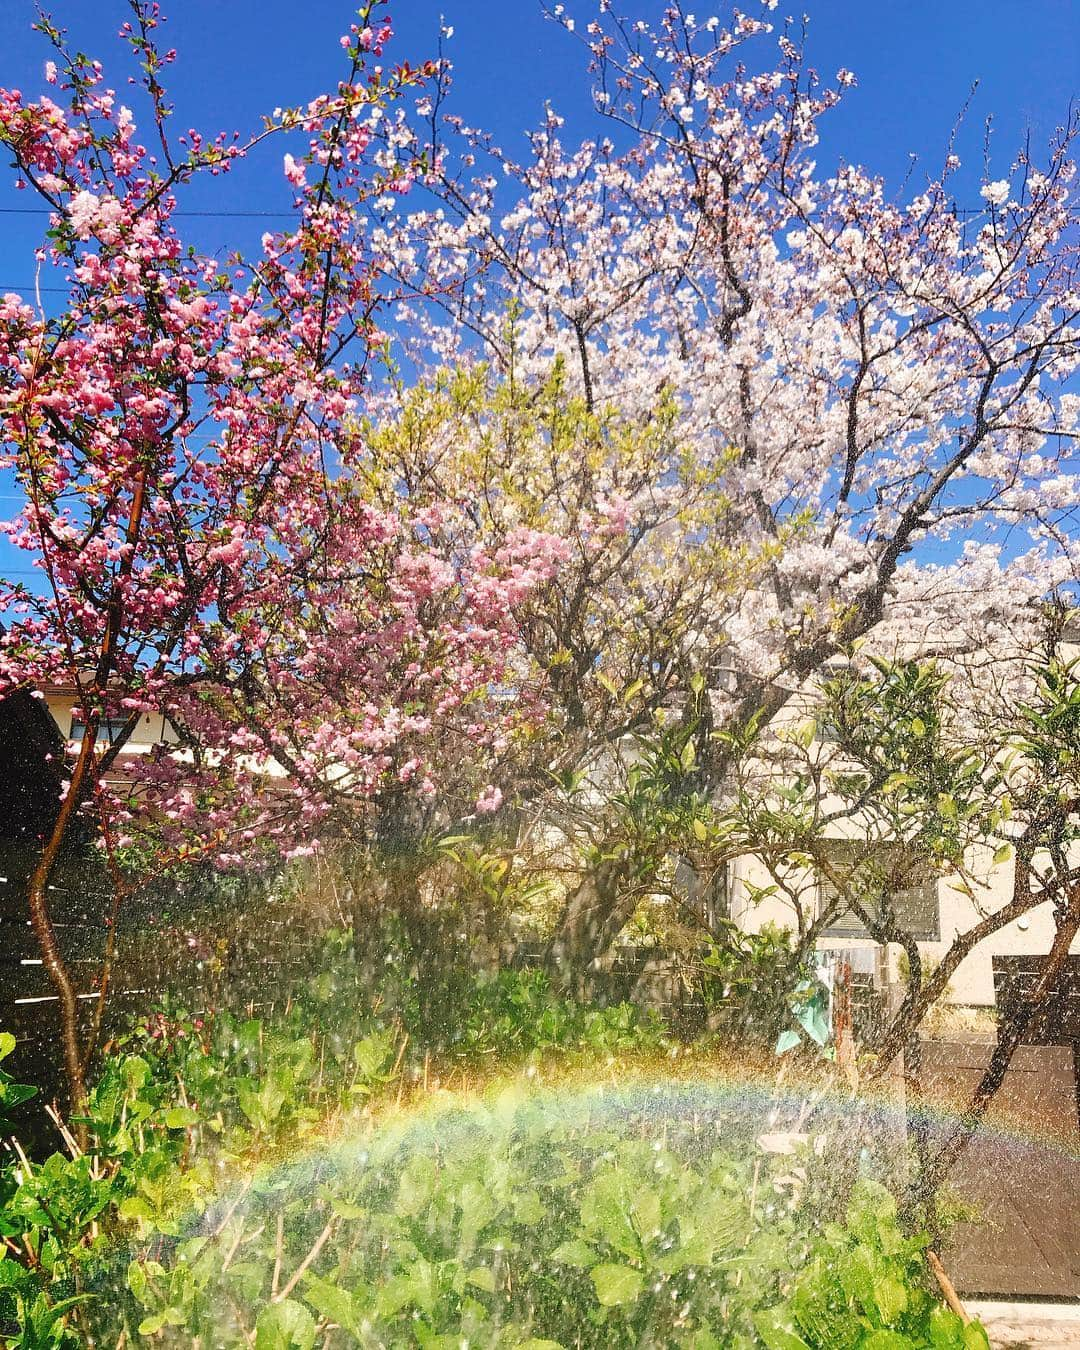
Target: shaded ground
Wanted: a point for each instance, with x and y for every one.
(1021, 1175)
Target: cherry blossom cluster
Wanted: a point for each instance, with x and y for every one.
(881, 387)
(184, 431)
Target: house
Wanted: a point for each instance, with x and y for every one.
(61, 700)
(933, 910)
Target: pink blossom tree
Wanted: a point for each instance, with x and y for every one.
(180, 428)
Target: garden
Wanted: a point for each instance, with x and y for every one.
(532, 689)
(309, 1179)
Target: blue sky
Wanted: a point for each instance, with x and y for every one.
(915, 61)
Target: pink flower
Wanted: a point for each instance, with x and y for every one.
(83, 213)
(295, 172)
(489, 800)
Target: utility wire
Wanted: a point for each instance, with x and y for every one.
(258, 215)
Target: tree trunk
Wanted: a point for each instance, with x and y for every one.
(44, 931)
(595, 913)
(1009, 1038)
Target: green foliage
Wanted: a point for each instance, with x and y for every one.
(893, 727)
(593, 1219)
(517, 1013)
(860, 1289)
(210, 1208)
(185, 1096)
(757, 988)
(12, 1094)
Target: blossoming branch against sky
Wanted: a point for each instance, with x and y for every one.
(915, 65)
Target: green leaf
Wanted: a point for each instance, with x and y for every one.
(946, 1329)
(918, 727)
(372, 1053)
(14, 1094)
(529, 1208)
(616, 1285)
(891, 1298)
(136, 1071)
(416, 1286)
(136, 1279)
(417, 1186)
(345, 1209)
(606, 1208)
(777, 1330)
(284, 1326)
(481, 1277)
(574, 1253)
(336, 1304)
(813, 1020)
(179, 1117)
(787, 1040)
(7, 1044)
(701, 831)
(1002, 854)
(946, 805)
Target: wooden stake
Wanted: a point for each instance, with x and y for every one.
(952, 1298)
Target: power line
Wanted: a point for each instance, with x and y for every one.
(250, 215)
(288, 215)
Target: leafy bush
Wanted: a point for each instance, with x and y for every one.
(526, 1224)
(751, 983)
(861, 1289)
(589, 1219)
(184, 1096)
(210, 1208)
(518, 1013)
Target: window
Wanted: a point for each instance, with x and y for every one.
(704, 893)
(108, 731)
(889, 880)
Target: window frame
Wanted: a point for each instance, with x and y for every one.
(107, 733)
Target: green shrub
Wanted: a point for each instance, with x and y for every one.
(210, 1209)
(596, 1219)
(749, 982)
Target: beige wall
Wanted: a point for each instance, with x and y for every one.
(973, 982)
(150, 731)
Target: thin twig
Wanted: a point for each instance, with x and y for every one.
(319, 1243)
(276, 1277)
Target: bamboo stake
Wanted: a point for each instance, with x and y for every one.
(952, 1298)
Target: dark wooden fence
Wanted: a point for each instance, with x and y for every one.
(1058, 1021)
(201, 945)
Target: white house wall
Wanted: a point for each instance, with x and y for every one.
(149, 731)
(973, 981)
